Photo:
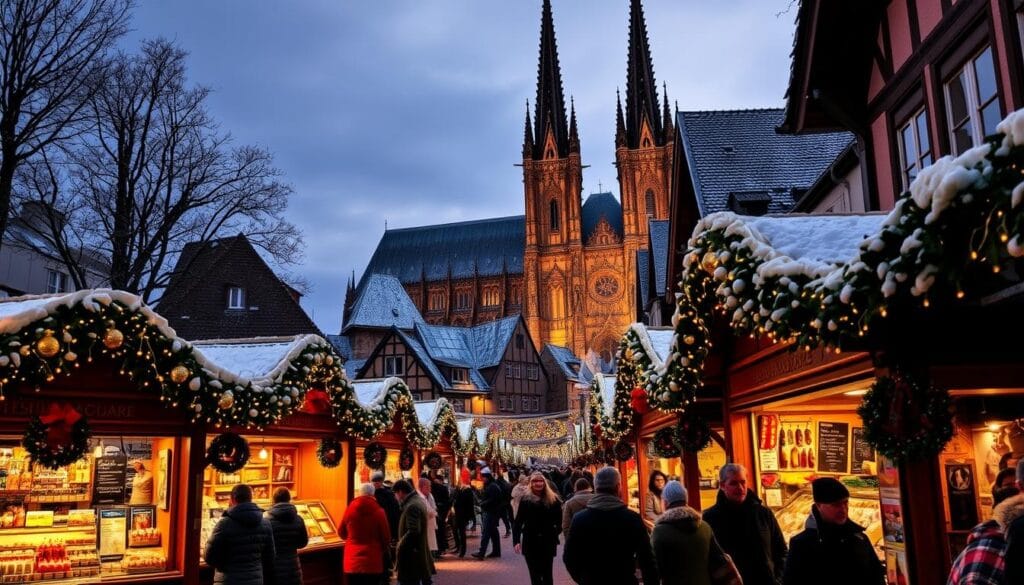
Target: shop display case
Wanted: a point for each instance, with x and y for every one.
(319, 525)
(262, 475)
(864, 510)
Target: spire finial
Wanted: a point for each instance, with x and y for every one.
(667, 124)
(527, 134)
(574, 138)
(641, 88)
(620, 124)
(549, 107)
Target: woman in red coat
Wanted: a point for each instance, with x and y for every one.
(367, 537)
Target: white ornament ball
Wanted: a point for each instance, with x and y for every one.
(253, 413)
(295, 392)
(287, 400)
(195, 384)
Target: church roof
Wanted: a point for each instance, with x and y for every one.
(382, 302)
(659, 233)
(485, 247)
(739, 151)
(566, 361)
(600, 205)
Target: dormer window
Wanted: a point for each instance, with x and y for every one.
(236, 297)
(460, 375)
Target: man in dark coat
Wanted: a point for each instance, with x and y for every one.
(289, 536)
(415, 565)
(607, 540)
(465, 511)
(241, 548)
(832, 548)
(387, 501)
(505, 512)
(491, 502)
(443, 501)
(747, 531)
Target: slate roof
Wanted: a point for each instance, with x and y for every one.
(475, 347)
(659, 234)
(600, 205)
(485, 246)
(424, 358)
(732, 151)
(565, 359)
(382, 303)
(643, 275)
(341, 344)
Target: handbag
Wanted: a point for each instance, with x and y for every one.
(721, 567)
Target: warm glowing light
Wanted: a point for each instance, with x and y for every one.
(860, 392)
(263, 453)
(994, 426)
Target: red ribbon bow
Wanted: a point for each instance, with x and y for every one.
(317, 402)
(638, 401)
(60, 422)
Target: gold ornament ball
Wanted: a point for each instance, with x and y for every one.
(113, 339)
(179, 374)
(48, 346)
(689, 339)
(709, 262)
(226, 401)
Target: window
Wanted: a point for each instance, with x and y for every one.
(506, 404)
(557, 302)
(555, 219)
(649, 203)
(417, 396)
(533, 372)
(437, 300)
(463, 300)
(535, 402)
(458, 405)
(460, 375)
(491, 298)
(394, 365)
(520, 343)
(508, 370)
(517, 371)
(517, 295)
(56, 281)
(526, 404)
(972, 102)
(236, 297)
(915, 146)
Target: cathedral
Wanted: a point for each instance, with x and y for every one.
(572, 267)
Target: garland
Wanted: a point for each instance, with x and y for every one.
(375, 455)
(433, 461)
(666, 443)
(58, 438)
(329, 452)
(623, 451)
(693, 433)
(906, 419)
(227, 452)
(406, 459)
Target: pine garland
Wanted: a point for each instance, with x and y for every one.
(906, 419)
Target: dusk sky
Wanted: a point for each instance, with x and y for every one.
(411, 112)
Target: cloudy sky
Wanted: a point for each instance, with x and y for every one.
(410, 112)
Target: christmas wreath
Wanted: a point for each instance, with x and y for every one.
(375, 455)
(227, 452)
(57, 438)
(433, 460)
(906, 419)
(666, 443)
(694, 433)
(329, 452)
(406, 459)
(623, 451)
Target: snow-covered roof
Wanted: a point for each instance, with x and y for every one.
(427, 411)
(251, 360)
(18, 312)
(465, 427)
(383, 303)
(606, 386)
(369, 393)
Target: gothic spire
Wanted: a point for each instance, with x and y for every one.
(574, 138)
(641, 89)
(620, 123)
(528, 134)
(549, 107)
(667, 124)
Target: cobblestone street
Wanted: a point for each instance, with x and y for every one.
(510, 569)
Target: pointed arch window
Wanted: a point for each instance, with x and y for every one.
(649, 203)
(557, 302)
(555, 219)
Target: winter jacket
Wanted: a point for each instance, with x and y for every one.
(464, 505)
(518, 491)
(576, 503)
(682, 545)
(537, 526)
(289, 536)
(414, 561)
(389, 503)
(606, 542)
(367, 536)
(431, 521)
(1010, 516)
(750, 534)
(981, 562)
(241, 548)
(492, 499)
(652, 508)
(834, 554)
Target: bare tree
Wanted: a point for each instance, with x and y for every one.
(154, 173)
(50, 55)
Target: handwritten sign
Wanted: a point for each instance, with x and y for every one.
(113, 533)
(109, 484)
(862, 450)
(833, 447)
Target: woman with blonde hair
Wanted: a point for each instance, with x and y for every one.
(536, 528)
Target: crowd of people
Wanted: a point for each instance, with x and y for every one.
(408, 526)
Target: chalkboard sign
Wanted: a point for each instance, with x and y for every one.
(109, 483)
(862, 451)
(833, 447)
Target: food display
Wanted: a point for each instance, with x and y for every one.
(143, 561)
(319, 526)
(144, 537)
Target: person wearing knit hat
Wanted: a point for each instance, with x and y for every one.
(832, 547)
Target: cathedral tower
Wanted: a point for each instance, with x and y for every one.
(552, 178)
(643, 141)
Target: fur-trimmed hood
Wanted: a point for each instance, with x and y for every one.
(684, 517)
(1009, 510)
